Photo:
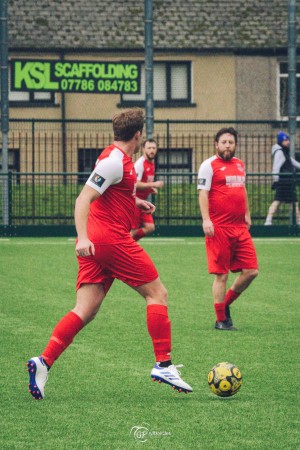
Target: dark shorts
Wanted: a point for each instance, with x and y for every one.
(126, 261)
(230, 249)
(286, 191)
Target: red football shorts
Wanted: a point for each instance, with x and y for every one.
(126, 261)
(141, 217)
(230, 249)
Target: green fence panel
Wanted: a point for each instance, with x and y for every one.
(46, 200)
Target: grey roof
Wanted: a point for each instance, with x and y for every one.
(119, 24)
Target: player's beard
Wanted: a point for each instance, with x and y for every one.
(150, 157)
(226, 155)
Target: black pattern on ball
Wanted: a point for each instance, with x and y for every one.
(225, 379)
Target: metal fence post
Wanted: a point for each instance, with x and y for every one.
(168, 176)
(4, 105)
(148, 5)
(33, 168)
(10, 198)
(292, 88)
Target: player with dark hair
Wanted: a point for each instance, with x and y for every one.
(105, 251)
(226, 221)
(143, 223)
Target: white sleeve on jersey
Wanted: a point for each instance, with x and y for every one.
(107, 172)
(139, 168)
(205, 175)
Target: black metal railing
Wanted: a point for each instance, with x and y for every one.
(49, 198)
(43, 145)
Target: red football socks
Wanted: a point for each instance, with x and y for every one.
(139, 234)
(220, 307)
(159, 328)
(62, 336)
(231, 296)
(220, 311)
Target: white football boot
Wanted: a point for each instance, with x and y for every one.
(170, 375)
(38, 376)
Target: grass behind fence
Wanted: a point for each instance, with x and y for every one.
(100, 388)
(50, 201)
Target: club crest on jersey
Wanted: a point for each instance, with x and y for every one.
(201, 181)
(240, 167)
(97, 180)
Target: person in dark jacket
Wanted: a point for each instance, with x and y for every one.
(283, 185)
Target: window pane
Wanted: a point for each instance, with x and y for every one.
(174, 158)
(159, 85)
(170, 83)
(42, 96)
(13, 160)
(284, 96)
(18, 96)
(284, 67)
(159, 82)
(179, 85)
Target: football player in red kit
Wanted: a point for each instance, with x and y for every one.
(105, 251)
(226, 221)
(143, 223)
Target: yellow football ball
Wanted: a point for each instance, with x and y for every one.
(225, 379)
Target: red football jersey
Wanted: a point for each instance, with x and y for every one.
(225, 181)
(114, 177)
(145, 171)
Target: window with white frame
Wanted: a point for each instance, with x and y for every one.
(283, 90)
(33, 98)
(171, 85)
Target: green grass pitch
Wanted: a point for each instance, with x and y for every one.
(100, 395)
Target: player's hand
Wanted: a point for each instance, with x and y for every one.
(84, 247)
(159, 184)
(154, 191)
(208, 228)
(248, 220)
(146, 206)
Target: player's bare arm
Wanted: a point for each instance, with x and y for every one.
(84, 246)
(146, 206)
(207, 224)
(140, 185)
(247, 214)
